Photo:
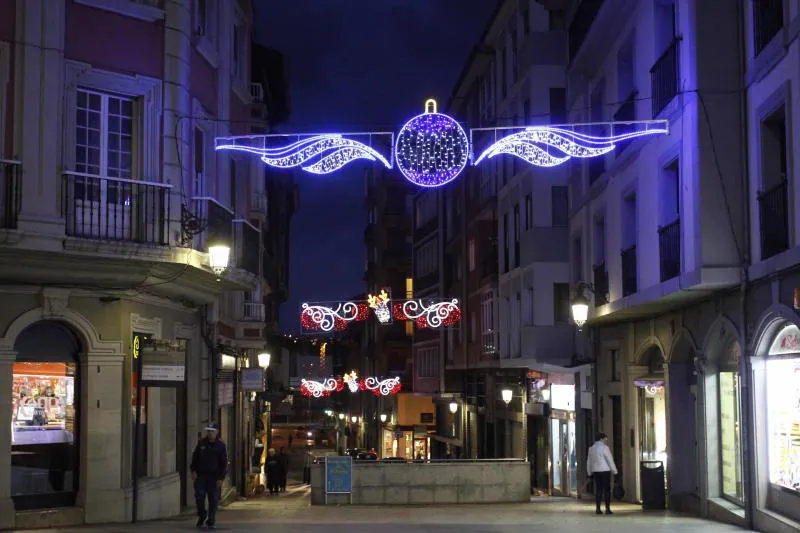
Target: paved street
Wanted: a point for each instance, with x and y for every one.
(292, 513)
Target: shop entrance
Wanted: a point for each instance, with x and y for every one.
(45, 401)
(563, 459)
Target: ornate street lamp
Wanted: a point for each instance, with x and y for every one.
(507, 394)
(453, 407)
(218, 256)
(264, 360)
(383, 418)
(341, 416)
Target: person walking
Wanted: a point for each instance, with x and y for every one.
(600, 465)
(209, 467)
(273, 468)
(283, 457)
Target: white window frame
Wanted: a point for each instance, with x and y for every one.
(148, 95)
(471, 254)
(207, 37)
(204, 122)
(149, 12)
(488, 319)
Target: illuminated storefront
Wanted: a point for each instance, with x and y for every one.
(730, 417)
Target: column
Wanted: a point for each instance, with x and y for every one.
(100, 416)
(7, 357)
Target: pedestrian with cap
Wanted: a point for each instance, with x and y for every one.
(209, 468)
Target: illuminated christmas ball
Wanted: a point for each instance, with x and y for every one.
(432, 149)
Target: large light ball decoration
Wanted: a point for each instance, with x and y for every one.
(432, 149)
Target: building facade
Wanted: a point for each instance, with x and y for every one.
(686, 243)
(113, 194)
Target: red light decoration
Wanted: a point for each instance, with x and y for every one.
(323, 389)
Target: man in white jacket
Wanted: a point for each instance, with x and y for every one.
(600, 465)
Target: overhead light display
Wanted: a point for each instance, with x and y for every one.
(433, 149)
(351, 381)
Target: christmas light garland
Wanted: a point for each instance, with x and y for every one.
(427, 313)
(323, 389)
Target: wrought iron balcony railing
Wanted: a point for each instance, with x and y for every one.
(664, 78)
(10, 193)
(629, 272)
(115, 209)
(774, 218)
(252, 312)
(669, 247)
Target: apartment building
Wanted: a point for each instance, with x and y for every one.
(112, 196)
(388, 199)
(686, 244)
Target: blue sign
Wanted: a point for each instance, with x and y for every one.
(338, 475)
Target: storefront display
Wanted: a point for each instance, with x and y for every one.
(730, 426)
(43, 403)
(783, 402)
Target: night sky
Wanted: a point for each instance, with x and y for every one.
(356, 65)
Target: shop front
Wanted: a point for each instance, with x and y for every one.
(563, 449)
(777, 417)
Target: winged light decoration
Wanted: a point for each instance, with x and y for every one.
(550, 146)
(321, 153)
(432, 149)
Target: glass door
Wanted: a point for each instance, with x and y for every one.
(555, 455)
(572, 462)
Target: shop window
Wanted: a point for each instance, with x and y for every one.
(45, 399)
(732, 481)
(783, 406)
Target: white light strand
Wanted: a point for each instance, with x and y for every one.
(385, 387)
(317, 389)
(325, 317)
(435, 314)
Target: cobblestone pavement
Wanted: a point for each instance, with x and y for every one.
(292, 513)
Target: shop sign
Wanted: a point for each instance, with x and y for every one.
(562, 397)
(162, 365)
(252, 379)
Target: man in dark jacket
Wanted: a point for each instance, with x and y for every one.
(209, 467)
(284, 461)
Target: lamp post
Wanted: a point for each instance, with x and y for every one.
(507, 394)
(453, 411)
(383, 418)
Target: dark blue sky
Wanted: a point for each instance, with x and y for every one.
(356, 65)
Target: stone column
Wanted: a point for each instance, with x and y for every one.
(7, 356)
(101, 491)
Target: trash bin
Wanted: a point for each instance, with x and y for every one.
(651, 476)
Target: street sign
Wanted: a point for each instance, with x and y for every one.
(338, 475)
(252, 379)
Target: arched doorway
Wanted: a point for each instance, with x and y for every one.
(45, 417)
(683, 475)
(652, 409)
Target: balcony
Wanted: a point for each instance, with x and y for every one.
(669, 247)
(490, 348)
(629, 273)
(209, 221)
(247, 245)
(774, 217)
(489, 267)
(116, 209)
(256, 93)
(767, 22)
(600, 284)
(664, 78)
(10, 193)
(252, 312)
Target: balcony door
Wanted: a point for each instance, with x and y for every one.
(101, 189)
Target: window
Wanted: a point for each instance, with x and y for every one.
(516, 236)
(201, 17)
(559, 202)
(471, 253)
(104, 135)
(773, 204)
(629, 221)
(561, 306)
(529, 211)
(558, 105)
(626, 78)
(526, 111)
(427, 259)
(488, 331)
(505, 242)
(516, 314)
(527, 307)
(556, 20)
(199, 184)
(473, 327)
(233, 178)
(503, 68)
(239, 58)
(670, 193)
(427, 362)
(615, 365)
(514, 64)
(526, 20)
(599, 241)
(426, 209)
(577, 259)
(732, 481)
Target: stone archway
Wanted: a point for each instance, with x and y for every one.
(99, 480)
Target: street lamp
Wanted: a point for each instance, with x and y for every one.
(354, 419)
(453, 407)
(264, 359)
(383, 418)
(328, 412)
(341, 416)
(218, 256)
(507, 395)
(580, 310)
